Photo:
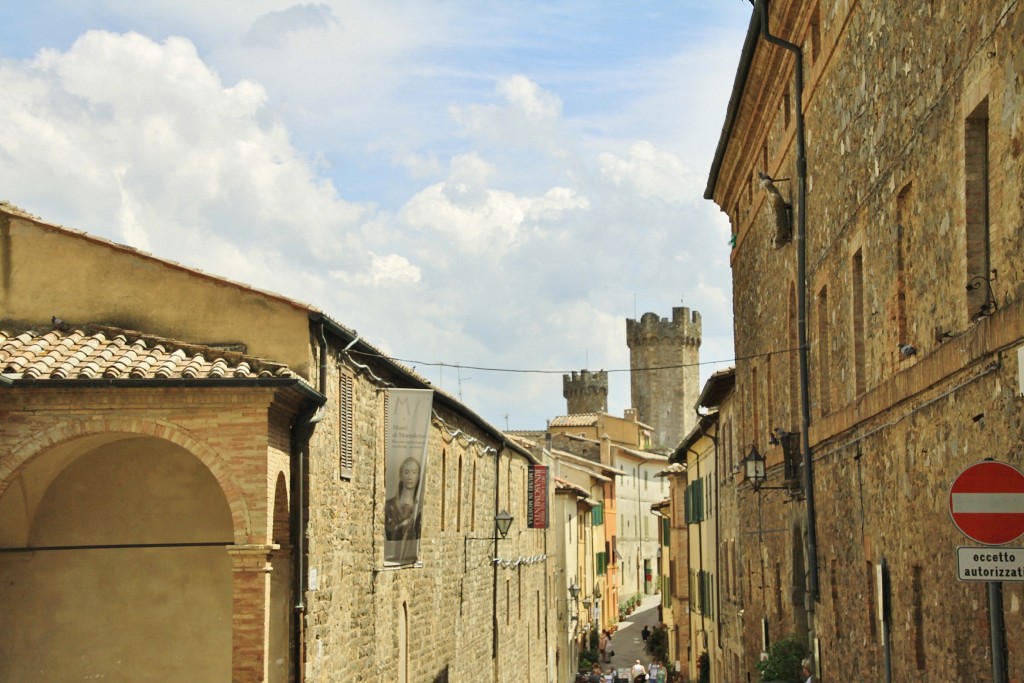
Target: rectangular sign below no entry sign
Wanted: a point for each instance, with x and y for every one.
(974, 563)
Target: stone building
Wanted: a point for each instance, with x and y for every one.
(703, 544)
(664, 373)
(208, 498)
(870, 165)
(586, 392)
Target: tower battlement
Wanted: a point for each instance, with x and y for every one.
(586, 391)
(684, 328)
(664, 360)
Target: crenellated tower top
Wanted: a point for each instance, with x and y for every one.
(683, 328)
(664, 361)
(586, 392)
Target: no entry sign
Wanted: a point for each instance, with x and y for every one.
(986, 502)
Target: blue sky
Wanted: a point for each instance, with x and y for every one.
(479, 184)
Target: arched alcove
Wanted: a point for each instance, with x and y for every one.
(116, 567)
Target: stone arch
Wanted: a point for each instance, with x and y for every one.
(71, 430)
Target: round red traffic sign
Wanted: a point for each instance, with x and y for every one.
(986, 502)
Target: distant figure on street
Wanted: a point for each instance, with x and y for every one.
(602, 646)
(646, 633)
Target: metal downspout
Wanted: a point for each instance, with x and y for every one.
(801, 274)
(301, 431)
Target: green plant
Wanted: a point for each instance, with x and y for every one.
(587, 659)
(595, 639)
(657, 644)
(784, 659)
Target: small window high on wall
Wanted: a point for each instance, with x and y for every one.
(976, 205)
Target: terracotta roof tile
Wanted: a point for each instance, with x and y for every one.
(576, 420)
(94, 352)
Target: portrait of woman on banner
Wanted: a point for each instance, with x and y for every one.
(402, 514)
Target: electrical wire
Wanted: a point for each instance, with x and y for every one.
(651, 368)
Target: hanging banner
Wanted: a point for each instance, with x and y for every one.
(537, 498)
(405, 463)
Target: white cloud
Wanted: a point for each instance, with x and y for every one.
(652, 173)
(378, 161)
(525, 116)
(146, 132)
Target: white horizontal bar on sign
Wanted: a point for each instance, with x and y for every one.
(1007, 503)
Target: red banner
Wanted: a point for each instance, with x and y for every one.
(537, 498)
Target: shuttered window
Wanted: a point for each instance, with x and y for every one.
(345, 424)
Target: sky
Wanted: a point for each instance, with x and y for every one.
(484, 191)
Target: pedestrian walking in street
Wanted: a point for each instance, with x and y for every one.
(646, 633)
(602, 646)
(638, 672)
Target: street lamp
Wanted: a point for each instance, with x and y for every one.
(503, 520)
(754, 470)
(574, 592)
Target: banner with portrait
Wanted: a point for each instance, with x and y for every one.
(405, 466)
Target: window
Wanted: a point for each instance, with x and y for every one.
(444, 486)
(859, 369)
(601, 563)
(755, 400)
(870, 600)
(794, 359)
(694, 504)
(472, 501)
(835, 600)
(786, 109)
(823, 352)
(597, 515)
(704, 593)
(903, 219)
(976, 200)
(458, 499)
(345, 423)
(815, 35)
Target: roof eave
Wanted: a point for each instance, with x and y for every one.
(738, 86)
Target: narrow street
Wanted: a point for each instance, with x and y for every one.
(626, 641)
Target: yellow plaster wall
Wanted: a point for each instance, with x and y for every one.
(47, 271)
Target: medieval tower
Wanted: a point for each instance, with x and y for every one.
(586, 392)
(664, 373)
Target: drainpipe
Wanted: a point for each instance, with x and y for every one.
(700, 561)
(302, 430)
(494, 562)
(801, 275)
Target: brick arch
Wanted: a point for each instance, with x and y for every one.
(281, 526)
(64, 432)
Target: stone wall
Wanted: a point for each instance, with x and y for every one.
(890, 88)
(441, 613)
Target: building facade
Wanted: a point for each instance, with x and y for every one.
(870, 165)
(230, 494)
